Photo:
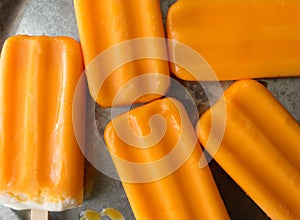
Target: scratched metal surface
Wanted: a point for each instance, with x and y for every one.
(56, 17)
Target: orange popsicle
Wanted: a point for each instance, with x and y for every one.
(260, 148)
(156, 154)
(41, 165)
(238, 39)
(107, 31)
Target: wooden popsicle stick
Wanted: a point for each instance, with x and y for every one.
(39, 214)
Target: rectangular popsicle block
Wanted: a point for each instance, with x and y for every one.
(155, 151)
(104, 26)
(260, 148)
(238, 39)
(41, 165)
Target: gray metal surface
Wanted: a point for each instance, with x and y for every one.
(56, 17)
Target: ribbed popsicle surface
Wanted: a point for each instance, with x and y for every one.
(239, 39)
(187, 192)
(40, 160)
(105, 24)
(260, 148)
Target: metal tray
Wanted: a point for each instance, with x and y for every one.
(56, 17)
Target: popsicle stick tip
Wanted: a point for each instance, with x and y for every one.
(39, 214)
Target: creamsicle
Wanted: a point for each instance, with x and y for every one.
(155, 151)
(238, 39)
(113, 54)
(41, 165)
(260, 148)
